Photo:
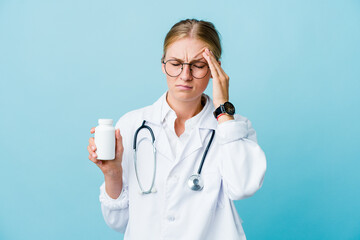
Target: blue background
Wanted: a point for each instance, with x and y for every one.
(294, 68)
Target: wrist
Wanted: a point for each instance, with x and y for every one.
(217, 103)
(224, 117)
(225, 111)
(113, 180)
(113, 187)
(113, 174)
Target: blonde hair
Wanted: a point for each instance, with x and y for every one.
(193, 28)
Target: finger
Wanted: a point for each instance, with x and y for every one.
(92, 130)
(118, 139)
(91, 147)
(92, 141)
(94, 155)
(93, 159)
(222, 78)
(90, 150)
(213, 69)
(217, 65)
(119, 144)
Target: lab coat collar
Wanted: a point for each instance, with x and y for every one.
(206, 122)
(156, 115)
(153, 113)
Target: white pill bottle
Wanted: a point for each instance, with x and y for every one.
(105, 139)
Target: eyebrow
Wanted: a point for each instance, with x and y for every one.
(180, 60)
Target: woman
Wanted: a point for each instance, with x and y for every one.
(183, 121)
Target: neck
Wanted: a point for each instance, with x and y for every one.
(185, 109)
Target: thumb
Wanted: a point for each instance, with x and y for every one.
(119, 145)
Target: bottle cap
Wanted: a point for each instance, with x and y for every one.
(105, 121)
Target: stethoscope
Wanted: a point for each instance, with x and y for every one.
(195, 181)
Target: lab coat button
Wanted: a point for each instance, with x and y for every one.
(171, 218)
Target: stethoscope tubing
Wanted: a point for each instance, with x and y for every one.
(197, 176)
(206, 151)
(138, 130)
(154, 157)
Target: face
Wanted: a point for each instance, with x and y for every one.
(185, 87)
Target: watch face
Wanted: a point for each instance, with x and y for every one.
(229, 108)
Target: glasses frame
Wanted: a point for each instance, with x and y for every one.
(182, 67)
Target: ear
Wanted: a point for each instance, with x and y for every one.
(163, 68)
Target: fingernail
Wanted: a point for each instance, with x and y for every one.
(94, 155)
(92, 147)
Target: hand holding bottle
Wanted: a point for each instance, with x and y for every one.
(111, 169)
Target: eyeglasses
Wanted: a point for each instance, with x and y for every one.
(174, 68)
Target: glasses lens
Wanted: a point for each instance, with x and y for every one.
(173, 68)
(199, 69)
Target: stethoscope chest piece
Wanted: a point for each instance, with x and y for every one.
(195, 182)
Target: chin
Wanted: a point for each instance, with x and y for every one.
(185, 96)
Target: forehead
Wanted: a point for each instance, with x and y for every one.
(186, 48)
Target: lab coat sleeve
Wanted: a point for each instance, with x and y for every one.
(243, 162)
(116, 211)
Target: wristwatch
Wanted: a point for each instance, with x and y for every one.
(227, 108)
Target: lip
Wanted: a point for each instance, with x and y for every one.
(183, 87)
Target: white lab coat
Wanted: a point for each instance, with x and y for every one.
(234, 169)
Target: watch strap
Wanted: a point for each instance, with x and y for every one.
(222, 110)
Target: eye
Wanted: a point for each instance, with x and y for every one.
(175, 63)
(199, 65)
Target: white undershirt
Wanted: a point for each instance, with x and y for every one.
(169, 116)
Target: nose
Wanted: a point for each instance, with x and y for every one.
(186, 73)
